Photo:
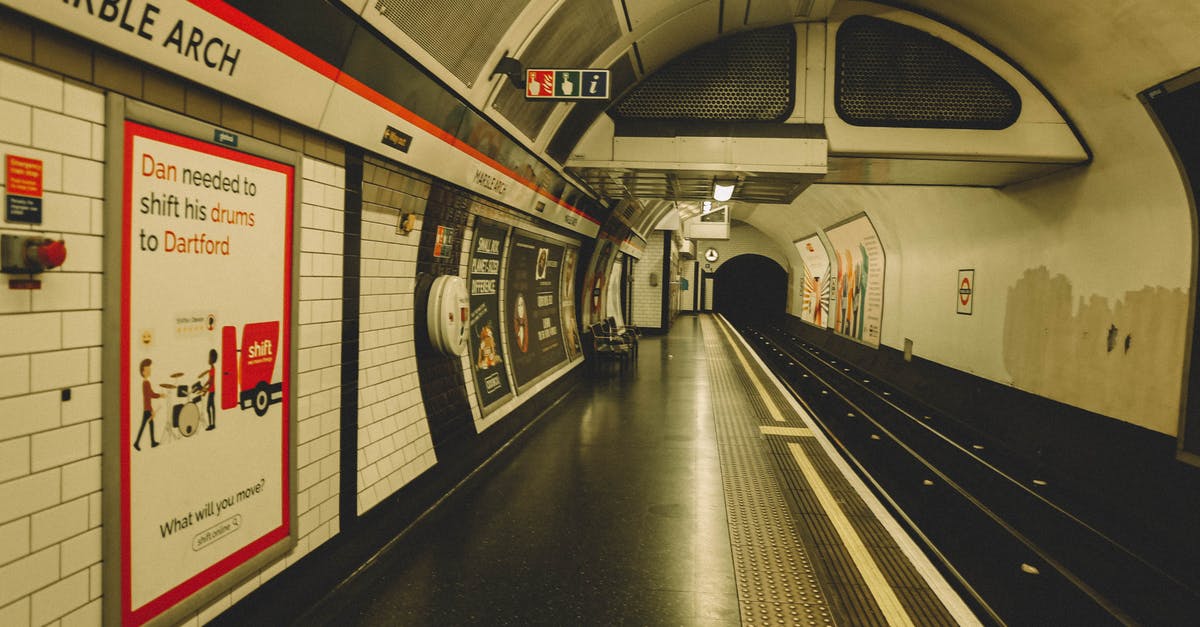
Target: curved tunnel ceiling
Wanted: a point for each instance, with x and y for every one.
(637, 38)
(944, 111)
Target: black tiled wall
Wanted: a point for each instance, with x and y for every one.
(443, 387)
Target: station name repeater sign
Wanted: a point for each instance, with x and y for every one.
(205, 364)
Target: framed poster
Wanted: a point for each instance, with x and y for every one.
(487, 351)
(858, 294)
(817, 280)
(596, 287)
(534, 328)
(199, 459)
(566, 299)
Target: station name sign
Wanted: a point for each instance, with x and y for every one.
(568, 84)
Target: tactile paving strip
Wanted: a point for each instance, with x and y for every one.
(775, 579)
(847, 593)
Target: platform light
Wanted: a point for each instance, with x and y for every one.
(723, 190)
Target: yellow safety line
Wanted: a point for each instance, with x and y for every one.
(885, 597)
(762, 392)
(799, 432)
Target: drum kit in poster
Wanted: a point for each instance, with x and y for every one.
(185, 403)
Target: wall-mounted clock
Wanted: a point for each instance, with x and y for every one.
(711, 254)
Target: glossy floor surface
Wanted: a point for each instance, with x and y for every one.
(610, 510)
(687, 489)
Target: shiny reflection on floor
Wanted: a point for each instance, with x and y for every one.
(611, 511)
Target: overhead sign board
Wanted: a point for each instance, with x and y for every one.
(568, 84)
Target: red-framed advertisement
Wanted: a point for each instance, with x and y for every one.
(204, 441)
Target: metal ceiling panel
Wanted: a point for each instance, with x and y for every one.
(893, 171)
(749, 76)
(679, 34)
(648, 13)
(776, 11)
(670, 184)
(455, 32)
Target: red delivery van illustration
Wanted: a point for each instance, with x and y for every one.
(246, 372)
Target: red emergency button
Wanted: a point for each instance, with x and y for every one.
(52, 254)
(30, 254)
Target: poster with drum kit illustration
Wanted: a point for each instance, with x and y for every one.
(204, 359)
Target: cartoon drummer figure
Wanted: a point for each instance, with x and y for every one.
(148, 395)
(211, 387)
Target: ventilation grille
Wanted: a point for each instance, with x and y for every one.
(889, 74)
(746, 77)
(460, 34)
(560, 43)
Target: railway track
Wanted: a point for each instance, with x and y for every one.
(1012, 538)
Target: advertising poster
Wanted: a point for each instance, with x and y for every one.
(817, 282)
(534, 334)
(205, 365)
(858, 294)
(602, 262)
(487, 353)
(566, 298)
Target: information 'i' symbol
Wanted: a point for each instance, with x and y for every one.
(593, 85)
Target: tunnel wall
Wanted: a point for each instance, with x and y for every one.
(1061, 262)
(1049, 284)
(746, 239)
(743, 238)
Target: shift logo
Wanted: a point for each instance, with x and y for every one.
(246, 372)
(261, 349)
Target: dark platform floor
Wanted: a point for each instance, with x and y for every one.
(611, 509)
(611, 512)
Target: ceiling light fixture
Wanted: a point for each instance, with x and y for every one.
(723, 191)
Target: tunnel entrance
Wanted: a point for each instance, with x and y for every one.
(750, 288)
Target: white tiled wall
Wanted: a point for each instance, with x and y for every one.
(50, 474)
(394, 445)
(322, 223)
(647, 299)
(49, 342)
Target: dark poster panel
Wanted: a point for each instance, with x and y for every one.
(533, 336)
(484, 277)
